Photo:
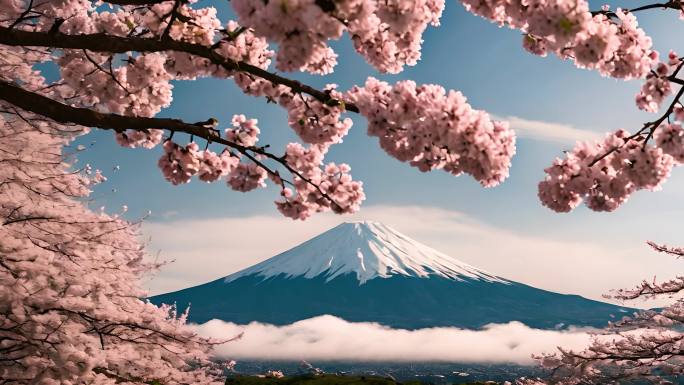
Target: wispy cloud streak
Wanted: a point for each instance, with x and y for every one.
(549, 131)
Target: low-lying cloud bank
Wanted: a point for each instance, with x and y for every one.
(328, 338)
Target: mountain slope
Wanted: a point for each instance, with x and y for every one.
(369, 272)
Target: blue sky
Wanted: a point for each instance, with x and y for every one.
(489, 66)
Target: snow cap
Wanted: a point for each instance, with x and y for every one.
(367, 249)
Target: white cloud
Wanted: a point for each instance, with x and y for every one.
(549, 131)
(327, 338)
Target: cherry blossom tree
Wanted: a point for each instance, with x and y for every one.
(647, 347)
(70, 300)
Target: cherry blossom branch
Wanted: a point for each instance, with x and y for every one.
(649, 349)
(24, 15)
(25, 219)
(118, 378)
(650, 126)
(135, 2)
(645, 346)
(676, 251)
(101, 42)
(651, 289)
(174, 15)
(603, 174)
(62, 113)
(672, 4)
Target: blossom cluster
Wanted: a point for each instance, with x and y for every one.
(316, 122)
(201, 29)
(237, 44)
(244, 131)
(616, 48)
(214, 166)
(180, 163)
(387, 33)
(670, 138)
(332, 181)
(657, 86)
(604, 174)
(315, 187)
(247, 177)
(431, 128)
(134, 138)
(140, 88)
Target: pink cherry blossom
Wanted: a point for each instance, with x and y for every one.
(604, 182)
(145, 139)
(244, 131)
(657, 86)
(431, 128)
(213, 167)
(246, 177)
(615, 46)
(332, 180)
(670, 138)
(388, 34)
(315, 122)
(178, 163)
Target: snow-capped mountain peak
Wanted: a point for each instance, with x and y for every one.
(326, 275)
(367, 249)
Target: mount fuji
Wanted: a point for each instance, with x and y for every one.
(366, 271)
